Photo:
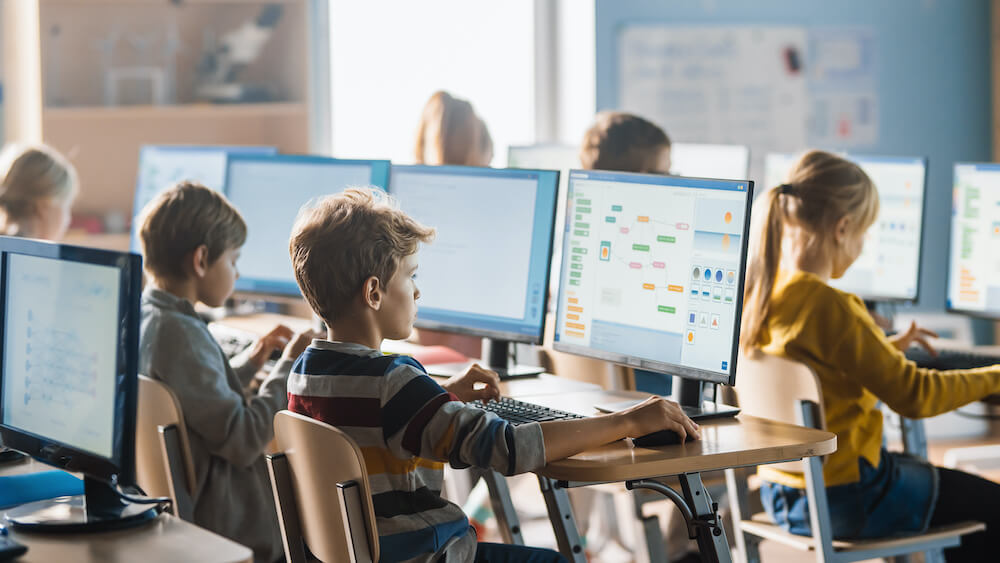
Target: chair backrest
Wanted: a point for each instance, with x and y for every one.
(771, 387)
(320, 457)
(156, 453)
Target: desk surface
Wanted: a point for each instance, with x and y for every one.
(166, 539)
(732, 442)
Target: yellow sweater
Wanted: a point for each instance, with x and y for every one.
(833, 333)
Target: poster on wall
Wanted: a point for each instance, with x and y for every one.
(777, 89)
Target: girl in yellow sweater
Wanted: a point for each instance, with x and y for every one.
(812, 230)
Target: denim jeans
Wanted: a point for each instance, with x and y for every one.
(502, 553)
(897, 497)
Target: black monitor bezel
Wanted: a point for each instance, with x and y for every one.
(892, 299)
(454, 328)
(120, 466)
(663, 367)
(951, 229)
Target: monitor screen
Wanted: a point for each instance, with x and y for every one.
(655, 272)
(730, 162)
(974, 262)
(162, 166)
(269, 192)
(549, 157)
(776, 168)
(889, 266)
(486, 272)
(69, 355)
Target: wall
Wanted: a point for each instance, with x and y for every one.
(933, 81)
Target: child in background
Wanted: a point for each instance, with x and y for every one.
(355, 259)
(37, 189)
(191, 238)
(811, 230)
(624, 142)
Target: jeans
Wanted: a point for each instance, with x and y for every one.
(897, 497)
(502, 553)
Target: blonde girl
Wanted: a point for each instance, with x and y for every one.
(37, 189)
(811, 230)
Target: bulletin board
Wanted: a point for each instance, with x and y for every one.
(774, 88)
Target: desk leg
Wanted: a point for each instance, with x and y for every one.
(503, 506)
(563, 523)
(712, 541)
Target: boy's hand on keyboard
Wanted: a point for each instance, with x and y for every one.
(277, 339)
(655, 414)
(464, 386)
(299, 343)
(915, 334)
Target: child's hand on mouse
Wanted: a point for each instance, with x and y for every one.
(275, 340)
(655, 414)
(476, 383)
(299, 342)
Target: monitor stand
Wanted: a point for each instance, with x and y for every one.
(98, 509)
(689, 393)
(496, 354)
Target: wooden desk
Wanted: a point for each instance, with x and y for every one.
(725, 443)
(166, 539)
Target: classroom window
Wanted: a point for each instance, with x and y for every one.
(387, 58)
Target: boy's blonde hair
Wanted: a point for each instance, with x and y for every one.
(180, 220)
(822, 189)
(341, 240)
(623, 142)
(32, 173)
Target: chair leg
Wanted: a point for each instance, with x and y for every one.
(739, 497)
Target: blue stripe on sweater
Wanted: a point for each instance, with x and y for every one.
(407, 402)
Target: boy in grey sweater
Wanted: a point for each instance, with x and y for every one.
(191, 238)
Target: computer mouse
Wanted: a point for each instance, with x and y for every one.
(660, 438)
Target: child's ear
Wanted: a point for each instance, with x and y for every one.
(841, 231)
(373, 293)
(199, 261)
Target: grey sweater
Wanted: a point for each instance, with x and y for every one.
(228, 428)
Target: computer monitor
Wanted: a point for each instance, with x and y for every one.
(549, 157)
(889, 266)
(696, 160)
(269, 191)
(973, 268)
(486, 273)
(655, 273)
(162, 166)
(777, 166)
(888, 269)
(70, 345)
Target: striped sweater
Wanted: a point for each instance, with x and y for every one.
(407, 425)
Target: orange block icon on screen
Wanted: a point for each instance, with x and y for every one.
(729, 217)
(725, 242)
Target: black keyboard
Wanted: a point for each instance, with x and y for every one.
(518, 412)
(950, 359)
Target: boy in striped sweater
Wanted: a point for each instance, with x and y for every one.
(355, 259)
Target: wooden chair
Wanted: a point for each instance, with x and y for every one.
(321, 492)
(788, 391)
(162, 453)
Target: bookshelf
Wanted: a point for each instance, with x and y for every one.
(97, 79)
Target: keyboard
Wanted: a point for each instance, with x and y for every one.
(231, 340)
(234, 341)
(951, 359)
(518, 412)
